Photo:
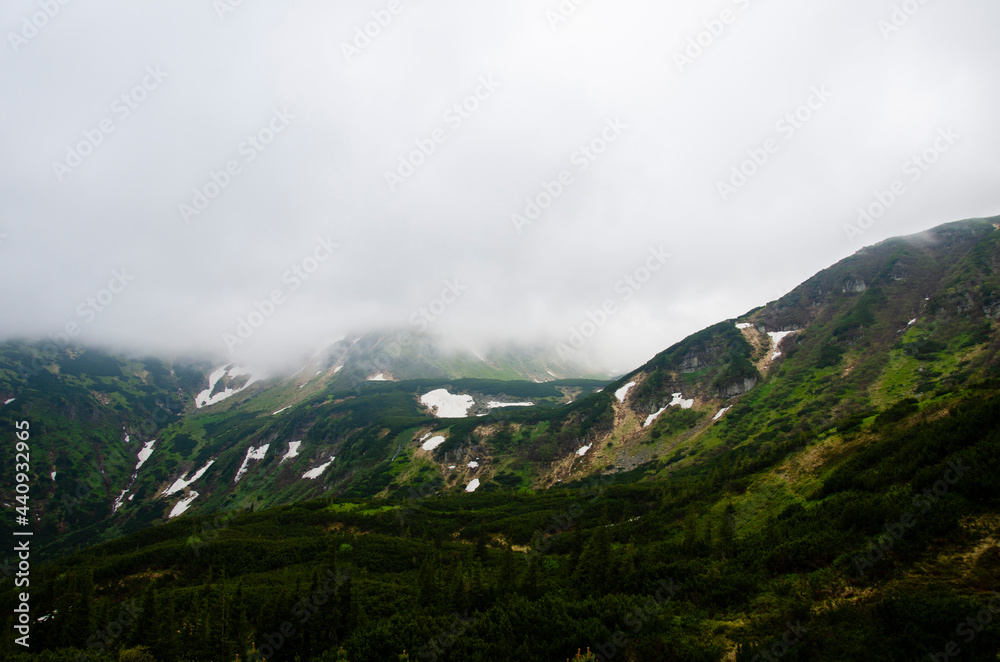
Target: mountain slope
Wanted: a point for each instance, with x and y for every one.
(908, 318)
(829, 460)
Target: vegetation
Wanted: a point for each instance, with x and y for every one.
(837, 500)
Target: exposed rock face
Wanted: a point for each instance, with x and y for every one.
(690, 363)
(991, 308)
(738, 388)
(854, 286)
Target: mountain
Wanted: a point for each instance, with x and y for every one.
(816, 479)
(120, 441)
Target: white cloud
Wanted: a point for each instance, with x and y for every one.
(324, 174)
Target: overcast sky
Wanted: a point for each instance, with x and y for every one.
(420, 149)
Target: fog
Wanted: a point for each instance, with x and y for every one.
(248, 181)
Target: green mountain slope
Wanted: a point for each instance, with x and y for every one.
(828, 459)
(885, 554)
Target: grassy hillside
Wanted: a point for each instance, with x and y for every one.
(878, 552)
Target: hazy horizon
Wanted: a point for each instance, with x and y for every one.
(487, 174)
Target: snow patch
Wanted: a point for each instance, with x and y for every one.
(281, 410)
(496, 405)
(312, 474)
(472, 486)
(623, 391)
(473, 465)
(144, 454)
(206, 399)
(183, 505)
(583, 450)
(912, 322)
(252, 454)
(744, 325)
(7, 402)
(679, 401)
(293, 450)
(719, 414)
(380, 377)
(776, 338)
(338, 369)
(184, 481)
(433, 443)
(53, 475)
(653, 417)
(446, 405)
(451, 466)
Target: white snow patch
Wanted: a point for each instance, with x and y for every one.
(451, 466)
(623, 391)
(653, 417)
(719, 414)
(252, 454)
(473, 486)
(433, 443)
(281, 410)
(293, 450)
(583, 450)
(776, 338)
(120, 499)
(912, 322)
(744, 325)
(184, 481)
(551, 373)
(7, 402)
(183, 505)
(53, 475)
(473, 465)
(380, 377)
(679, 401)
(495, 405)
(446, 405)
(205, 398)
(144, 454)
(338, 369)
(318, 471)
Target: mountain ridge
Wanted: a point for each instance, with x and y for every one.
(883, 308)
